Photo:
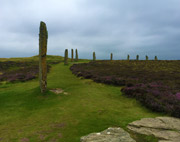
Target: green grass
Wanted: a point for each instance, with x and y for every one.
(33, 58)
(89, 107)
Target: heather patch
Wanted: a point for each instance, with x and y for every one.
(156, 97)
(12, 71)
(178, 95)
(156, 84)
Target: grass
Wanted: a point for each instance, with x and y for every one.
(28, 115)
(33, 58)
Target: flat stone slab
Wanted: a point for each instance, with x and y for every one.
(58, 91)
(108, 135)
(166, 129)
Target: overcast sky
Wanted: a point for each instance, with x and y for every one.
(122, 27)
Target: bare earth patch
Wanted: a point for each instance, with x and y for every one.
(42, 137)
(65, 93)
(58, 91)
(24, 140)
(58, 125)
(60, 135)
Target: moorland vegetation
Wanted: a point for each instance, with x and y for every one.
(155, 83)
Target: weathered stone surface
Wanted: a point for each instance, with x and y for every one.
(94, 56)
(76, 56)
(66, 57)
(43, 36)
(155, 58)
(72, 55)
(137, 57)
(65, 93)
(169, 140)
(109, 135)
(128, 57)
(167, 129)
(111, 57)
(57, 91)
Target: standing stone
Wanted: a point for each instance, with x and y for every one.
(76, 56)
(94, 56)
(155, 58)
(111, 56)
(43, 36)
(147, 58)
(66, 57)
(137, 57)
(72, 55)
(128, 57)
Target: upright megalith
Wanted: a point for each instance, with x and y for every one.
(128, 57)
(137, 57)
(72, 55)
(66, 57)
(111, 58)
(147, 58)
(94, 56)
(76, 59)
(155, 58)
(43, 36)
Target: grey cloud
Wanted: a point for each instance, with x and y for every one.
(119, 26)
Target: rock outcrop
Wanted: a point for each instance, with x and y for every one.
(108, 135)
(166, 129)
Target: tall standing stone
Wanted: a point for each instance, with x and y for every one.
(111, 56)
(76, 55)
(94, 56)
(147, 58)
(72, 55)
(43, 36)
(155, 58)
(66, 57)
(137, 57)
(128, 57)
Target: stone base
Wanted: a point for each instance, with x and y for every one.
(58, 91)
